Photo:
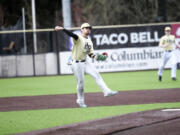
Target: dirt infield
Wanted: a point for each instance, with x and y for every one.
(154, 122)
(92, 99)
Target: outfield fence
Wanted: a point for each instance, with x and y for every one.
(130, 47)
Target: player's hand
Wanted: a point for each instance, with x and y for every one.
(58, 28)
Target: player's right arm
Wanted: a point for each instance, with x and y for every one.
(71, 34)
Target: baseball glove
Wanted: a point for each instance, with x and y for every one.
(102, 56)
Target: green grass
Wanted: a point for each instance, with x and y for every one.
(24, 121)
(66, 84)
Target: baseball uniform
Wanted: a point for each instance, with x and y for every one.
(81, 49)
(167, 42)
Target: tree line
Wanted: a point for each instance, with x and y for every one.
(96, 12)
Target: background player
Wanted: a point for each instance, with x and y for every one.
(82, 47)
(167, 42)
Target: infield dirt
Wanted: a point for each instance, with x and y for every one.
(154, 122)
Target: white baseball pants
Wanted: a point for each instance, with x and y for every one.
(166, 57)
(79, 69)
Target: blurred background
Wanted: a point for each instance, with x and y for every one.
(27, 30)
(97, 12)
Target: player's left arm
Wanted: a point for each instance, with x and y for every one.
(101, 57)
(91, 53)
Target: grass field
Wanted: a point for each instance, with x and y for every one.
(122, 81)
(23, 121)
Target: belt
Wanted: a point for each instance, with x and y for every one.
(168, 50)
(79, 61)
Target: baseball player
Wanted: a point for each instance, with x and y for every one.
(82, 48)
(167, 42)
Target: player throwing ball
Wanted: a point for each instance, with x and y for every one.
(82, 48)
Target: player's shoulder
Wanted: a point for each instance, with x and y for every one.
(80, 36)
(165, 36)
(84, 39)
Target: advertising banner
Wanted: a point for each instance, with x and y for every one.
(176, 32)
(126, 37)
(122, 37)
(125, 59)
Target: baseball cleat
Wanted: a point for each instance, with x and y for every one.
(82, 105)
(174, 78)
(160, 78)
(69, 63)
(111, 93)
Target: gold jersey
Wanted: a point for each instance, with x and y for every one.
(81, 48)
(167, 40)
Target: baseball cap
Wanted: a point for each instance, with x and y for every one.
(86, 25)
(167, 29)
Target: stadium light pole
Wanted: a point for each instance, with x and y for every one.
(34, 34)
(66, 5)
(24, 29)
(34, 25)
